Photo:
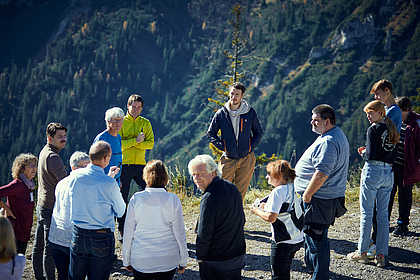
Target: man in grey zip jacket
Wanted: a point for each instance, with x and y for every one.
(240, 134)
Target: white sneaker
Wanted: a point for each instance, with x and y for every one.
(372, 251)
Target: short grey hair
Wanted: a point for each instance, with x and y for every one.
(114, 113)
(211, 165)
(77, 157)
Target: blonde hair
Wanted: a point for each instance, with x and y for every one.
(281, 168)
(376, 105)
(7, 240)
(20, 163)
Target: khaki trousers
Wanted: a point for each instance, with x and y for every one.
(238, 171)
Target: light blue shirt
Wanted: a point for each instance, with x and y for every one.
(115, 143)
(394, 113)
(95, 198)
(329, 154)
(61, 229)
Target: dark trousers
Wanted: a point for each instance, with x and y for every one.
(91, 253)
(128, 172)
(168, 275)
(405, 196)
(21, 247)
(281, 259)
(208, 272)
(61, 257)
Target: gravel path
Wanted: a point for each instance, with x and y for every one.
(403, 261)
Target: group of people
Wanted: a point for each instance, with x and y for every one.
(76, 212)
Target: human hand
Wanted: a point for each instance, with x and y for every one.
(8, 212)
(140, 138)
(361, 149)
(182, 270)
(113, 170)
(129, 268)
(262, 205)
(306, 198)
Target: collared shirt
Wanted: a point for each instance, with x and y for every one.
(95, 199)
(61, 229)
(329, 154)
(154, 232)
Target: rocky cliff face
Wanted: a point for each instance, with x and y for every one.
(356, 32)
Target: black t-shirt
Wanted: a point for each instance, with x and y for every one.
(378, 146)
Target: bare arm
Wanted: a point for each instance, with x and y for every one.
(8, 211)
(316, 182)
(266, 216)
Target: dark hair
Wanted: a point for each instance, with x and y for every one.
(382, 84)
(155, 174)
(326, 112)
(404, 103)
(99, 150)
(237, 85)
(281, 168)
(135, 98)
(53, 127)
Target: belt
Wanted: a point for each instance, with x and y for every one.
(101, 230)
(376, 162)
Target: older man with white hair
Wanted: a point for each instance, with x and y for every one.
(220, 244)
(114, 119)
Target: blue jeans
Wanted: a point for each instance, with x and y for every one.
(317, 256)
(61, 257)
(42, 259)
(91, 253)
(376, 184)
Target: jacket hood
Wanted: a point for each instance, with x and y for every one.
(243, 109)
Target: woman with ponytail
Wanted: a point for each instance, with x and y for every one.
(376, 182)
(284, 211)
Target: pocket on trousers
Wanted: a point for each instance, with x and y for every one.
(371, 176)
(100, 247)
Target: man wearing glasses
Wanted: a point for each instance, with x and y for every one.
(114, 120)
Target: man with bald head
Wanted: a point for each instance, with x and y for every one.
(95, 200)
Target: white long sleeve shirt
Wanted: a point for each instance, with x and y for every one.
(154, 232)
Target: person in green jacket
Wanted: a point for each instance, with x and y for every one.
(137, 137)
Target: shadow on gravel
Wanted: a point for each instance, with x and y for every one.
(400, 255)
(257, 262)
(342, 247)
(258, 235)
(341, 277)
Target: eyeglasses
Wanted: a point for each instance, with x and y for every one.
(32, 165)
(268, 173)
(116, 120)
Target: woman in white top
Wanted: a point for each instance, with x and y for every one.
(284, 211)
(154, 242)
(12, 264)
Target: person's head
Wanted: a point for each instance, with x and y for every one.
(236, 93)
(280, 172)
(7, 240)
(57, 135)
(155, 174)
(135, 105)
(323, 118)
(26, 164)
(114, 118)
(203, 169)
(100, 154)
(383, 91)
(79, 160)
(405, 105)
(375, 112)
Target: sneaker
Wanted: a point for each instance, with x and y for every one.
(400, 230)
(380, 260)
(372, 251)
(356, 256)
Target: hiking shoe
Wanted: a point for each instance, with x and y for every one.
(400, 230)
(372, 251)
(380, 260)
(356, 256)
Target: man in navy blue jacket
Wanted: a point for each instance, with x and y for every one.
(240, 134)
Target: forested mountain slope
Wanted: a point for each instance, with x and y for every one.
(70, 62)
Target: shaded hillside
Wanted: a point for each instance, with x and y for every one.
(305, 53)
